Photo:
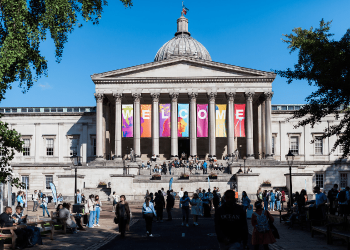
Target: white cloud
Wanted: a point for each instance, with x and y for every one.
(44, 86)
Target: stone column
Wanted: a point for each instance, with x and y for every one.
(118, 126)
(268, 129)
(137, 125)
(212, 122)
(155, 124)
(99, 126)
(193, 123)
(249, 122)
(173, 126)
(230, 124)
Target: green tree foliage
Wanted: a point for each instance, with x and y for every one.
(23, 25)
(324, 63)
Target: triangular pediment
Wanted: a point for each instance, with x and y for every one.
(182, 67)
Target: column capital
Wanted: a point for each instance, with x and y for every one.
(249, 96)
(136, 97)
(117, 97)
(174, 96)
(230, 96)
(193, 95)
(155, 97)
(211, 96)
(99, 97)
(268, 95)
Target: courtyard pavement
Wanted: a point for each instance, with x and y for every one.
(169, 235)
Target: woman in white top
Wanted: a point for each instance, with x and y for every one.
(44, 202)
(91, 207)
(115, 198)
(98, 209)
(196, 208)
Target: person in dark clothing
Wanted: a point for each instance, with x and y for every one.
(231, 224)
(216, 200)
(160, 205)
(169, 205)
(122, 212)
(5, 218)
(332, 197)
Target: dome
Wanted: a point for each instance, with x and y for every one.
(182, 45)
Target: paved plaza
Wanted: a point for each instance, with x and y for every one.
(169, 235)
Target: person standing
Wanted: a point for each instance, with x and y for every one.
(44, 203)
(231, 224)
(262, 234)
(91, 208)
(266, 200)
(148, 213)
(170, 165)
(115, 198)
(278, 200)
(78, 196)
(185, 202)
(169, 205)
(205, 166)
(283, 198)
(195, 210)
(35, 198)
(60, 198)
(122, 212)
(20, 201)
(245, 200)
(98, 209)
(272, 200)
(321, 200)
(332, 197)
(181, 194)
(160, 204)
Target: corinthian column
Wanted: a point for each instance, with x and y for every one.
(137, 125)
(173, 126)
(230, 123)
(212, 138)
(99, 126)
(268, 130)
(249, 119)
(193, 123)
(118, 126)
(155, 124)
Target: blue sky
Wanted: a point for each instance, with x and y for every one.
(242, 33)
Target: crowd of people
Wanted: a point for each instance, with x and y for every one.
(271, 199)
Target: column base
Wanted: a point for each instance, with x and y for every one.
(99, 158)
(250, 157)
(269, 157)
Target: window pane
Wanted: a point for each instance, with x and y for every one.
(26, 147)
(25, 179)
(343, 180)
(73, 147)
(49, 179)
(319, 180)
(294, 144)
(318, 145)
(49, 146)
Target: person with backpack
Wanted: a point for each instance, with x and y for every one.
(169, 205)
(245, 200)
(343, 196)
(332, 197)
(272, 200)
(278, 200)
(262, 234)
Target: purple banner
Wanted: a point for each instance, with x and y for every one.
(202, 120)
(164, 120)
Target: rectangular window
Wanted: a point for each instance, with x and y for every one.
(318, 145)
(343, 180)
(26, 147)
(73, 147)
(94, 145)
(319, 180)
(25, 180)
(49, 147)
(273, 145)
(48, 180)
(294, 144)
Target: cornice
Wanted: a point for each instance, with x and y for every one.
(183, 80)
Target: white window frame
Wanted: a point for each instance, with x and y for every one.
(343, 177)
(23, 177)
(26, 150)
(317, 181)
(316, 146)
(298, 144)
(46, 179)
(50, 148)
(48, 137)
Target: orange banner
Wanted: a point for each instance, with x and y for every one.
(146, 120)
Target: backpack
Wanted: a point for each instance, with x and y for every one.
(342, 196)
(263, 224)
(278, 196)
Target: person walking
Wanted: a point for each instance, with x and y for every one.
(91, 208)
(169, 205)
(35, 198)
(160, 205)
(181, 194)
(262, 234)
(206, 204)
(272, 200)
(148, 213)
(231, 224)
(115, 198)
(245, 201)
(195, 210)
(170, 165)
(44, 203)
(266, 200)
(20, 201)
(122, 212)
(98, 209)
(205, 166)
(185, 202)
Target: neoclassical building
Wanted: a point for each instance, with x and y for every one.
(181, 104)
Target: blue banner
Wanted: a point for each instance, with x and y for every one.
(170, 183)
(54, 192)
(209, 181)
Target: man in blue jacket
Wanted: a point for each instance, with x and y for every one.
(205, 166)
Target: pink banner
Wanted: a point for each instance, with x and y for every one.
(239, 120)
(164, 120)
(202, 120)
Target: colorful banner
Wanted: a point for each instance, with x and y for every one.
(220, 113)
(146, 120)
(182, 120)
(239, 120)
(164, 120)
(202, 120)
(127, 119)
(53, 189)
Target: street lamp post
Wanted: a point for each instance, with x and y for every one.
(290, 159)
(244, 159)
(76, 162)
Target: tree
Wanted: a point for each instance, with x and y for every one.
(324, 63)
(23, 25)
